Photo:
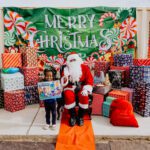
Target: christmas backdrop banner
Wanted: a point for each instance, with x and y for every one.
(55, 32)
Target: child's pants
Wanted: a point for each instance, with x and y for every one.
(50, 107)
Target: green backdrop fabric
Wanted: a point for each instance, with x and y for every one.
(88, 31)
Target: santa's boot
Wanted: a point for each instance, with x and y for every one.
(72, 120)
(80, 120)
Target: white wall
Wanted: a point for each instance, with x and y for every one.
(75, 3)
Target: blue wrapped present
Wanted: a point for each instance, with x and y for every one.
(109, 99)
(140, 73)
(31, 95)
(106, 108)
(123, 60)
(141, 98)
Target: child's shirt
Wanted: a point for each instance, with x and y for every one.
(50, 100)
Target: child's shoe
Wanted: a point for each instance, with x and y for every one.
(53, 126)
(46, 127)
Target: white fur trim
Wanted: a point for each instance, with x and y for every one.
(76, 56)
(66, 71)
(84, 106)
(71, 88)
(70, 106)
(89, 88)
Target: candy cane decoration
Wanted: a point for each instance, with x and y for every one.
(132, 40)
(14, 22)
(106, 15)
(120, 10)
(95, 53)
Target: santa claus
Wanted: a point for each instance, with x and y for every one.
(77, 81)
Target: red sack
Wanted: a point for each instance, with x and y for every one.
(121, 114)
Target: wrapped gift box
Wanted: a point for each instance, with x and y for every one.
(14, 100)
(30, 75)
(12, 82)
(31, 95)
(130, 91)
(132, 84)
(29, 57)
(1, 99)
(106, 108)
(141, 62)
(111, 60)
(123, 60)
(140, 73)
(141, 98)
(117, 78)
(11, 60)
(97, 104)
(101, 89)
(101, 66)
(109, 99)
(127, 72)
(119, 94)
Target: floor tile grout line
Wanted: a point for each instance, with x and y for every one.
(27, 133)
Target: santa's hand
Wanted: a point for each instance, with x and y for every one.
(84, 93)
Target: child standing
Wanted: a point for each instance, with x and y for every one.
(50, 104)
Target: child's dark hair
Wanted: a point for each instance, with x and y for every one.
(51, 69)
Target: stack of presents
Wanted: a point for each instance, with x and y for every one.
(127, 79)
(19, 88)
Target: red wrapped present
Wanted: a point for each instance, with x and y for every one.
(14, 100)
(97, 104)
(119, 94)
(127, 72)
(101, 66)
(111, 60)
(30, 75)
(141, 62)
(11, 60)
(130, 91)
(29, 57)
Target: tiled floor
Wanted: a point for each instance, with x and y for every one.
(30, 121)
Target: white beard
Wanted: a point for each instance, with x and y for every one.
(75, 70)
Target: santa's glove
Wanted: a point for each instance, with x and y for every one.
(84, 93)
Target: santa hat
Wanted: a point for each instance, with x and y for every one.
(73, 55)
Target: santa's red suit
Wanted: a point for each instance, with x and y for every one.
(86, 81)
